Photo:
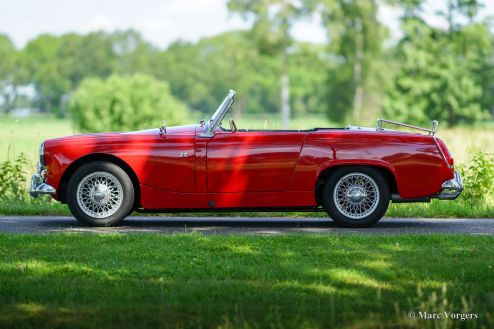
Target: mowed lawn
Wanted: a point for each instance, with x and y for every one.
(242, 281)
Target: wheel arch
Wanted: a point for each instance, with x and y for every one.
(62, 190)
(323, 175)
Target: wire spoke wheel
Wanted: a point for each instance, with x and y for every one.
(356, 195)
(99, 194)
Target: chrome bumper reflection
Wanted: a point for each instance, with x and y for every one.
(38, 185)
(451, 189)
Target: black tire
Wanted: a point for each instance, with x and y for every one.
(376, 211)
(127, 193)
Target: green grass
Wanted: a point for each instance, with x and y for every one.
(196, 281)
(441, 209)
(42, 207)
(23, 135)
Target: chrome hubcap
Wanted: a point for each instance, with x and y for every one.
(356, 195)
(99, 194)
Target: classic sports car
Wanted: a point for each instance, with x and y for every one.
(352, 173)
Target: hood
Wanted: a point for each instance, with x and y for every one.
(111, 136)
(187, 130)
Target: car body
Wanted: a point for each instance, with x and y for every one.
(206, 167)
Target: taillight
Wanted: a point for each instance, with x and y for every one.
(445, 152)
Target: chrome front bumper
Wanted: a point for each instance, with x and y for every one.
(451, 189)
(38, 185)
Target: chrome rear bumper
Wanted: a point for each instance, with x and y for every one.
(451, 189)
(38, 185)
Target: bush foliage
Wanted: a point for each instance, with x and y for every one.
(123, 103)
(478, 176)
(13, 178)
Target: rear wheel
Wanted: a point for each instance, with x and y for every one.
(100, 194)
(356, 196)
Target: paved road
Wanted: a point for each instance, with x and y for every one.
(258, 225)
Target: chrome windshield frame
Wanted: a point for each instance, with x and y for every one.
(218, 116)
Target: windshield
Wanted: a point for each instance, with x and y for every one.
(219, 110)
(220, 113)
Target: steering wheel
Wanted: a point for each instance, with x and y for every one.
(233, 126)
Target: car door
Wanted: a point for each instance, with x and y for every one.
(252, 161)
(168, 161)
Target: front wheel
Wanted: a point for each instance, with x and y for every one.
(356, 196)
(100, 194)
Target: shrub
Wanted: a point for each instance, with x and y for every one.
(13, 178)
(124, 103)
(478, 176)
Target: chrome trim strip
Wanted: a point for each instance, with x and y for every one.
(205, 135)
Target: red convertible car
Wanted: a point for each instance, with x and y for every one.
(352, 173)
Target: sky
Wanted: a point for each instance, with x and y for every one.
(160, 21)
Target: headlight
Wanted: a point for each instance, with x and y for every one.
(42, 154)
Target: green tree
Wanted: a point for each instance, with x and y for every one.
(124, 103)
(132, 54)
(273, 20)
(439, 73)
(41, 66)
(91, 55)
(478, 49)
(201, 73)
(308, 79)
(8, 58)
(356, 37)
(56, 65)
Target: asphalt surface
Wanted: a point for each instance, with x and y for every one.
(247, 225)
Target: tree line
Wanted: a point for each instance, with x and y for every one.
(430, 72)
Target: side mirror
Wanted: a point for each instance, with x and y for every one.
(163, 128)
